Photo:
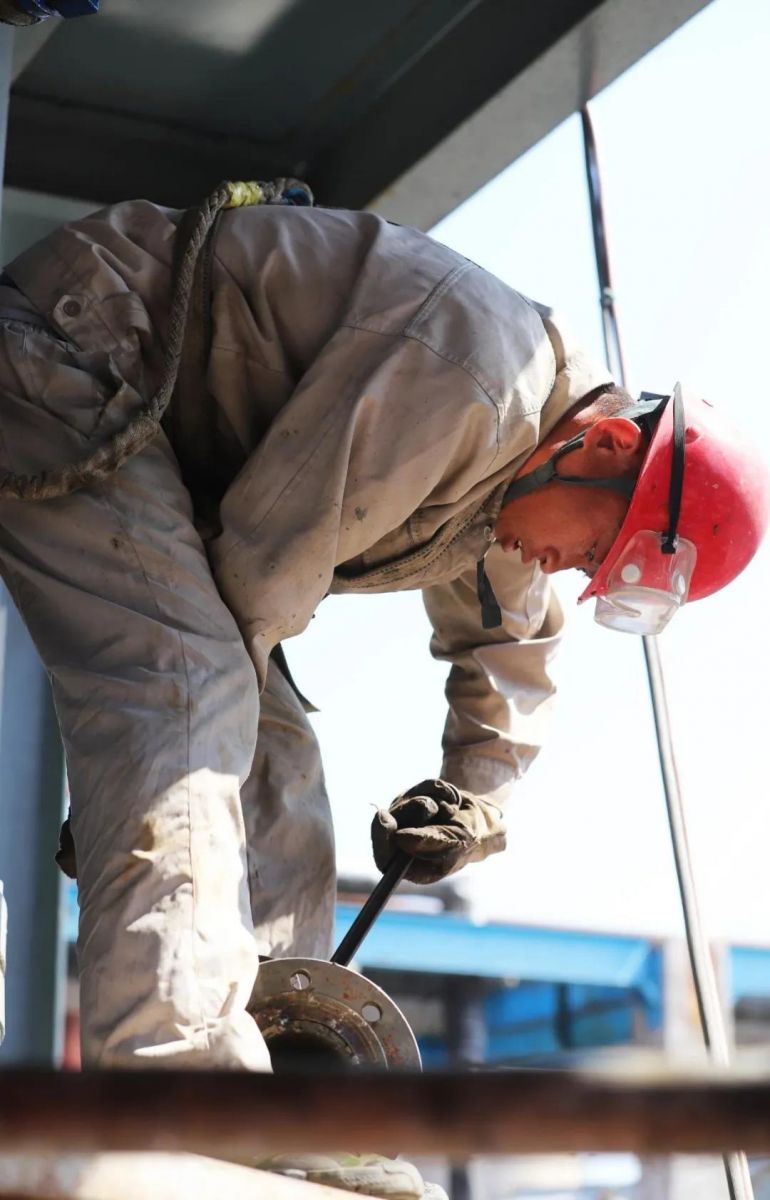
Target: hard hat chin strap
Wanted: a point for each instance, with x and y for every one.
(676, 484)
(642, 411)
(646, 412)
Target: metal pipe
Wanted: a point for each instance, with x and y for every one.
(458, 1113)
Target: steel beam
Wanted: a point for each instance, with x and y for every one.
(28, 45)
(31, 776)
(459, 1113)
(6, 52)
(30, 812)
(127, 156)
(419, 114)
(603, 42)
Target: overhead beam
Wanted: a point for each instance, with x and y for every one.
(472, 92)
(28, 43)
(93, 154)
(598, 49)
(460, 73)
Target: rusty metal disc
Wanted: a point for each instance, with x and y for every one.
(313, 1012)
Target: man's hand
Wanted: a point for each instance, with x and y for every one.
(440, 827)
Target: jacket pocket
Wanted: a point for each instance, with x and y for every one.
(56, 402)
(74, 386)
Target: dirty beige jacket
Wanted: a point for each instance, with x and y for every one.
(375, 394)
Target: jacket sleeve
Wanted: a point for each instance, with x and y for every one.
(499, 689)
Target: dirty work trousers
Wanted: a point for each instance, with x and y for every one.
(201, 823)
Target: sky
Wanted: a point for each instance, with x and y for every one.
(683, 147)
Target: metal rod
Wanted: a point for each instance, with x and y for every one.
(710, 1011)
(372, 908)
(457, 1113)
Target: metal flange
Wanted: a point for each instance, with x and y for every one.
(315, 1012)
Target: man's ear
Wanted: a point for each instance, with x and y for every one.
(618, 435)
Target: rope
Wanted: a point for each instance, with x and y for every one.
(53, 483)
(710, 1011)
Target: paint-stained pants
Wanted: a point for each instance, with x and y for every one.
(200, 844)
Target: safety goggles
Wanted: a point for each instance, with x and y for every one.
(650, 579)
(646, 585)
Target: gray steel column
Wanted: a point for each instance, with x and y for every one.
(30, 813)
(6, 46)
(30, 809)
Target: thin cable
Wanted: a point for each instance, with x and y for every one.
(710, 1011)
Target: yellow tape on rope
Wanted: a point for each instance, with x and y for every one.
(242, 193)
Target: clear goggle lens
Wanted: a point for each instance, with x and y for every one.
(645, 586)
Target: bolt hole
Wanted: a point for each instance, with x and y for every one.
(300, 980)
(371, 1013)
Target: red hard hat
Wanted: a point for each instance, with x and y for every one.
(725, 501)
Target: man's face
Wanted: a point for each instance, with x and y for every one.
(564, 525)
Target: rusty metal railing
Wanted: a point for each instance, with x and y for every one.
(457, 1113)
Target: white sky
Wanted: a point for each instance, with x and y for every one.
(684, 144)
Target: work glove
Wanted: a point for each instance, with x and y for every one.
(440, 827)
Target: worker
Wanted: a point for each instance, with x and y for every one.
(358, 409)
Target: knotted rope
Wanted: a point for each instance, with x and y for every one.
(53, 483)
